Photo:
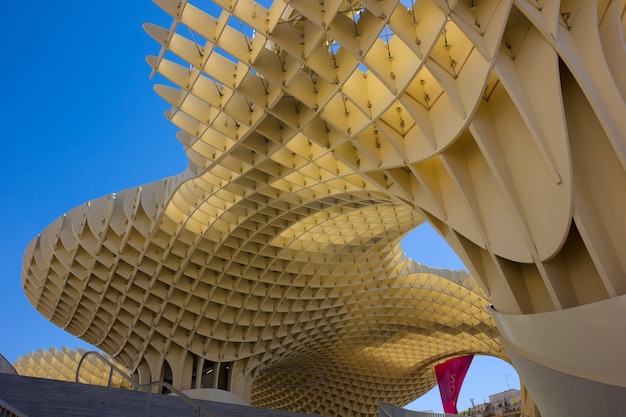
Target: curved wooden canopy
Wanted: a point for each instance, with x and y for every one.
(319, 133)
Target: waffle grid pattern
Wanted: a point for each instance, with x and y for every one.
(319, 133)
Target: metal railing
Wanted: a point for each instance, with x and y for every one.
(140, 387)
(390, 410)
(7, 411)
(495, 411)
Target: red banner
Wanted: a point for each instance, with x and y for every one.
(450, 376)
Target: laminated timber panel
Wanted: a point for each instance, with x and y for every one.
(320, 133)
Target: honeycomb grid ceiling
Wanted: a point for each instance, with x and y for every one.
(319, 133)
(62, 365)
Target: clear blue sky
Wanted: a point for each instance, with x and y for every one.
(77, 110)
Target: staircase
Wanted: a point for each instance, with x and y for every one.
(36, 397)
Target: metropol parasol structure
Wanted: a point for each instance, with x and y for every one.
(319, 133)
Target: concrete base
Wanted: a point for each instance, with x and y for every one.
(217, 395)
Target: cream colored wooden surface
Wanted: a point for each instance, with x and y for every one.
(61, 364)
(319, 133)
